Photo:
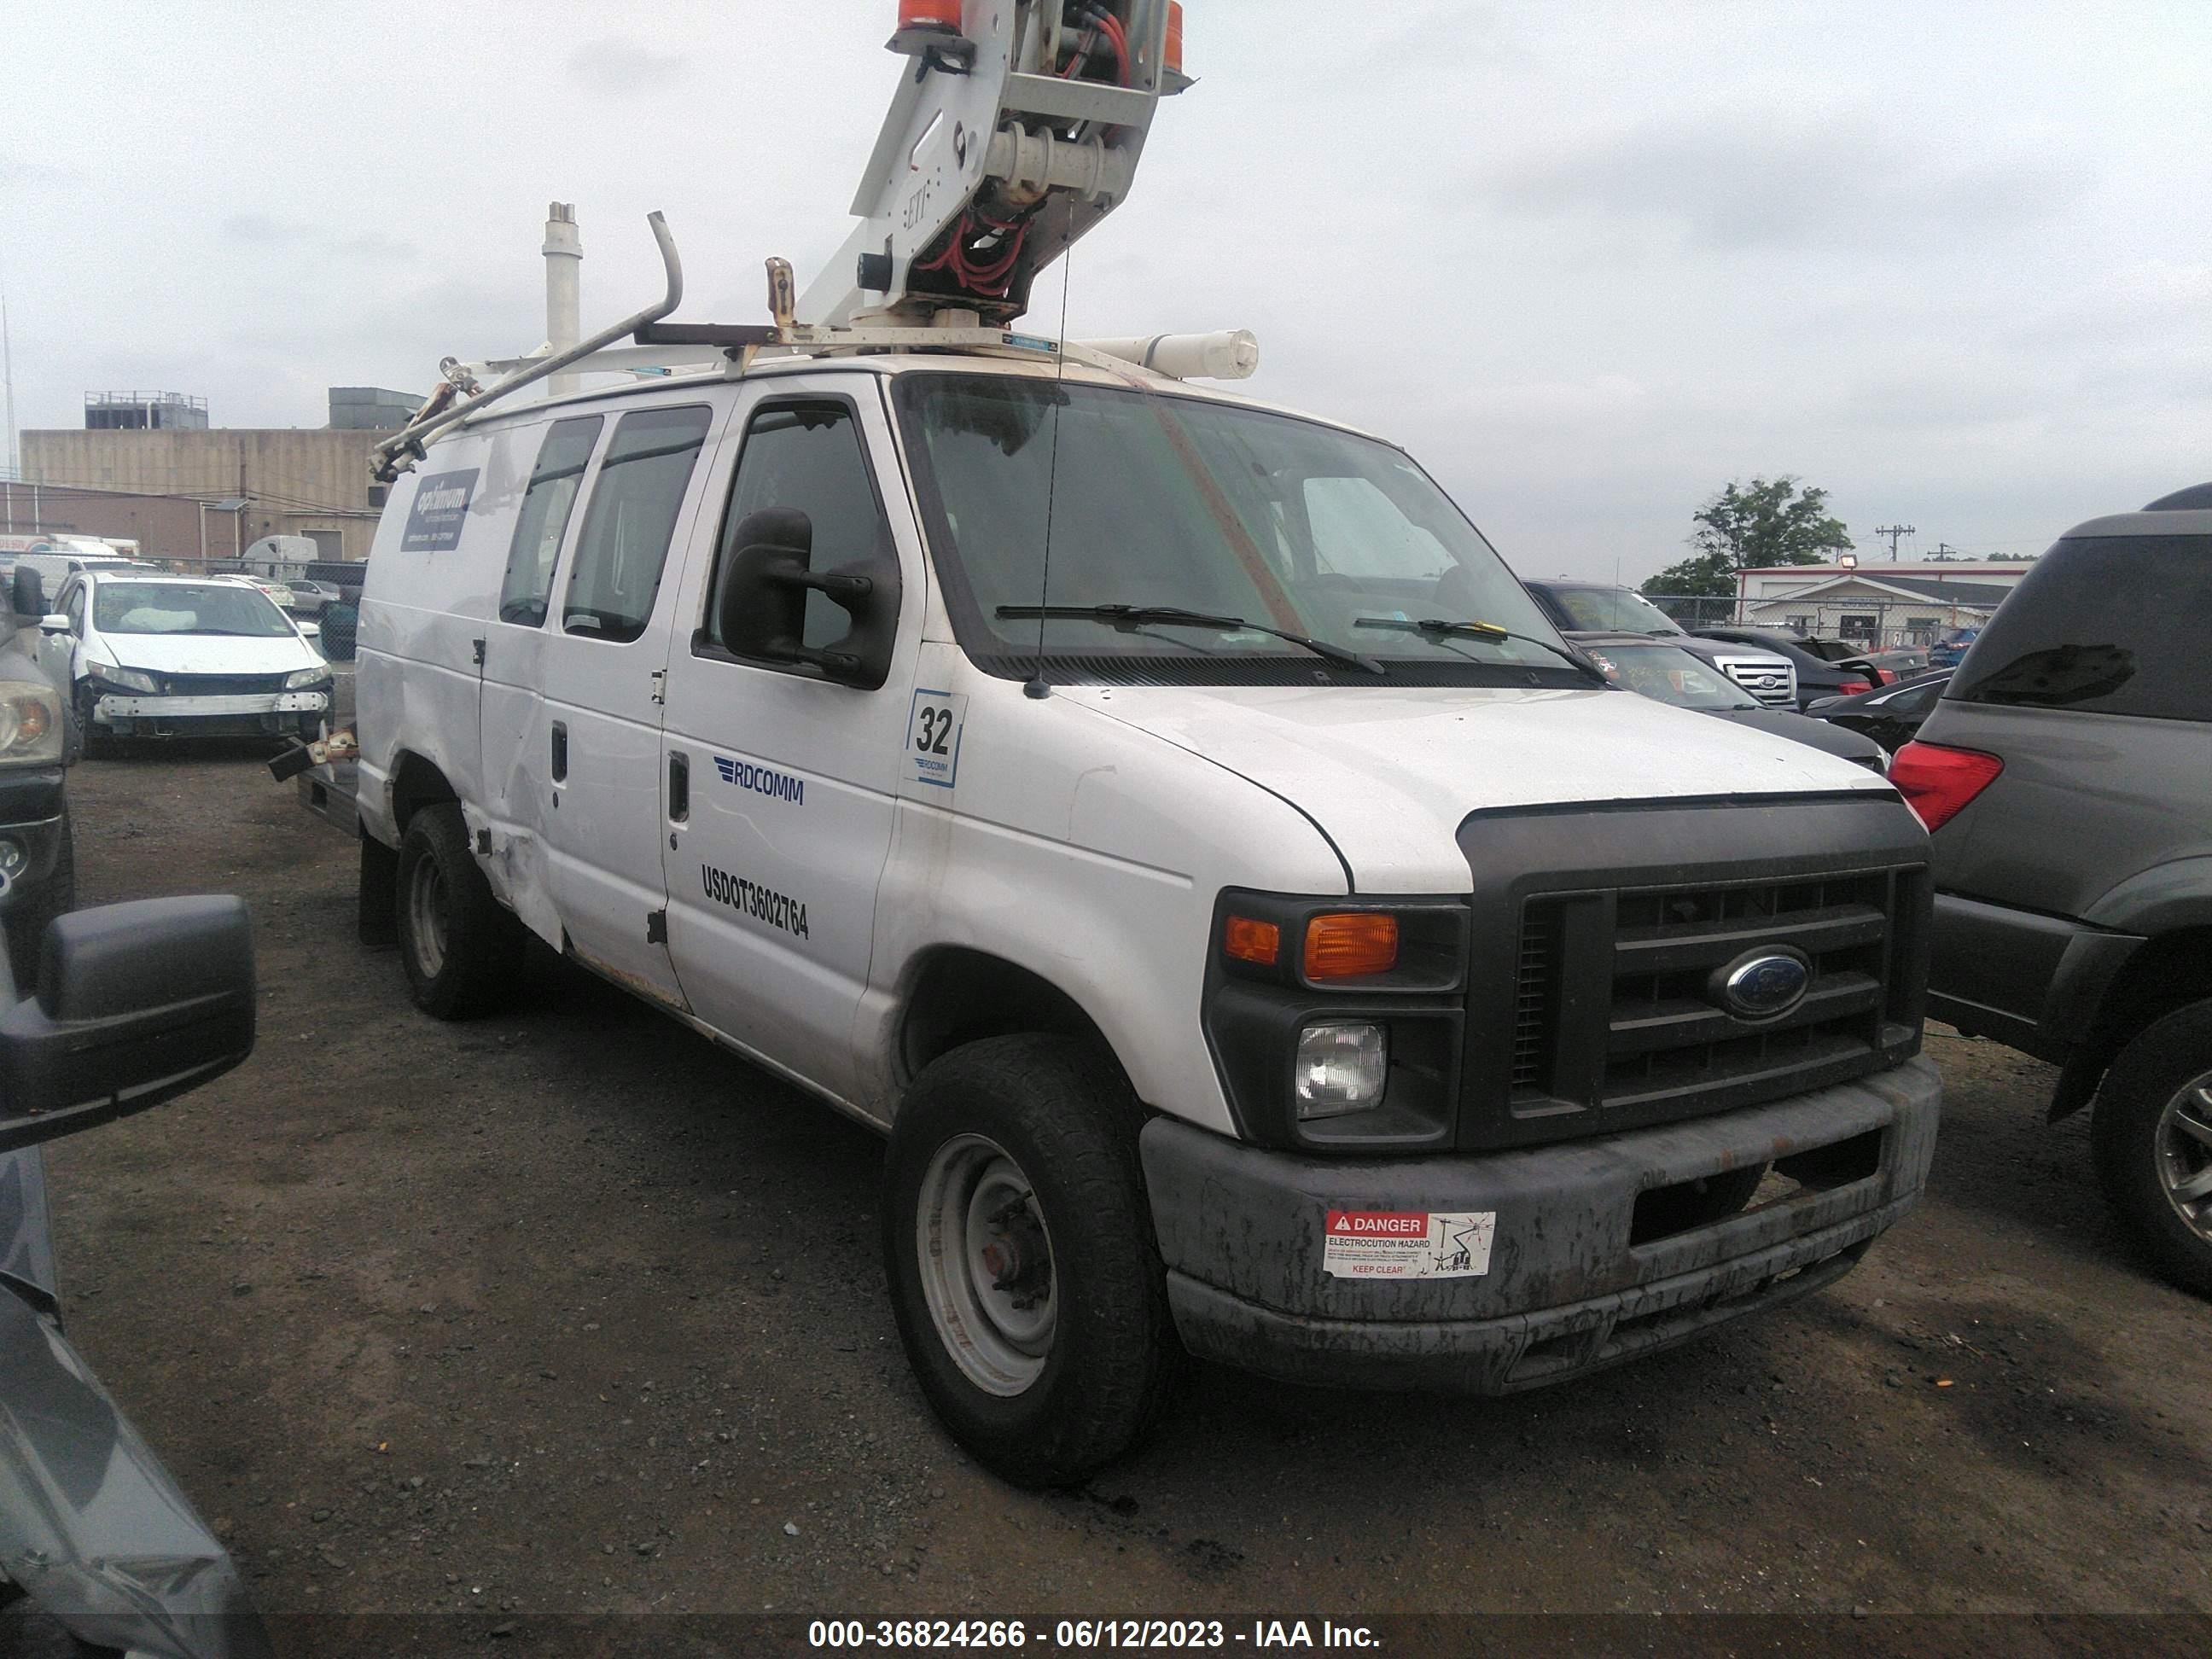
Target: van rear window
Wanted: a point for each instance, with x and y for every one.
(2112, 624)
(528, 585)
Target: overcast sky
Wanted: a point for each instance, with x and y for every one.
(1588, 262)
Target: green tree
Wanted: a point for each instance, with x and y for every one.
(1748, 526)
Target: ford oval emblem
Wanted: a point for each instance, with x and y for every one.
(1762, 984)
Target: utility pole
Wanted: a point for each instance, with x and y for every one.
(1945, 553)
(1895, 532)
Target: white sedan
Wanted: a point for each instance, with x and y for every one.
(150, 656)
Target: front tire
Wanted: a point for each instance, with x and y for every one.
(1017, 1242)
(2153, 1133)
(100, 742)
(461, 946)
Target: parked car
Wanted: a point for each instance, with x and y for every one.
(1890, 714)
(1951, 649)
(152, 656)
(38, 851)
(1901, 663)
(1657, 669)
(1419, 1033)
(1816, 676)
(279, 593)
(310, 598)
(55, 568)
(1586, 610)
(2066, 775)
(135, 1004)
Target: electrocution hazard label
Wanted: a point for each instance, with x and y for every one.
(1408, 1244)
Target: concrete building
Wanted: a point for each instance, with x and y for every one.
(149, 468)
(372, 407)
(312, 483)
(1883, 604)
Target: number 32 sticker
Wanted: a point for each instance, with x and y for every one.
(933, 736)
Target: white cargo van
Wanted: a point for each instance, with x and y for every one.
(1260, 936)
(1335, 980)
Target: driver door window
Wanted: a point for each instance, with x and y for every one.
(805, 455)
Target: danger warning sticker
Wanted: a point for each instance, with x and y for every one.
(1408, 1244)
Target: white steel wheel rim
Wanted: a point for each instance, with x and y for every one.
(426, 913)
(986, 1265)
(2184, 1152)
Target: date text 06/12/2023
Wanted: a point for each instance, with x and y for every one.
(1085, 1635)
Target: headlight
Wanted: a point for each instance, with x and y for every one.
(30, 722)
(123, 679)
(303, 679)
(1340, 1068)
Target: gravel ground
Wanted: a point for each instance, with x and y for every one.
(565, 1312)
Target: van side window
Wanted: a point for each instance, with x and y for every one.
(806, 456)
(635, 502)
(554, 481)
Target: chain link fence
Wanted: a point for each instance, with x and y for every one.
(1872, 624)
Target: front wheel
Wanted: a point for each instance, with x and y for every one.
(99, 742)
(2153, 1141)
(461, 946)
(1018, 1246)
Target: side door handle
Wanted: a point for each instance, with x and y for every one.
(679, 787)
(560, 751)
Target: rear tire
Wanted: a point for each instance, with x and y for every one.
(461, 946)
(2153, 1133)
(1023, 1274)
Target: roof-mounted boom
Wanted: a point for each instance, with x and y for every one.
(1017, 128)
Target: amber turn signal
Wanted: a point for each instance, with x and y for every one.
(1350, 944)
(1252, 941)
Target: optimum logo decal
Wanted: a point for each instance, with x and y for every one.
(749, 898)
(762, 780)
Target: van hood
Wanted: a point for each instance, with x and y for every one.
(209, 654)
(1389, 774)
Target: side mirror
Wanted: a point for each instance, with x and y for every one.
(30, 595)
(311, 630)
(54, 621)
(136, 1003)
(762, 613)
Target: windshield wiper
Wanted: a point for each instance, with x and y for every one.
(1139, 615)
(1437, 628)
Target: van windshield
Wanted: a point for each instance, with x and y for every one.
(1171, 501)
(186, 608)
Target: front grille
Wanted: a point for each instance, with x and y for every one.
(1772, 680)
(1617, 1012)
(220, 685)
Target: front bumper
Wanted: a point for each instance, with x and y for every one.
(136, 716)
(1242, 1231)
(31, 803)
